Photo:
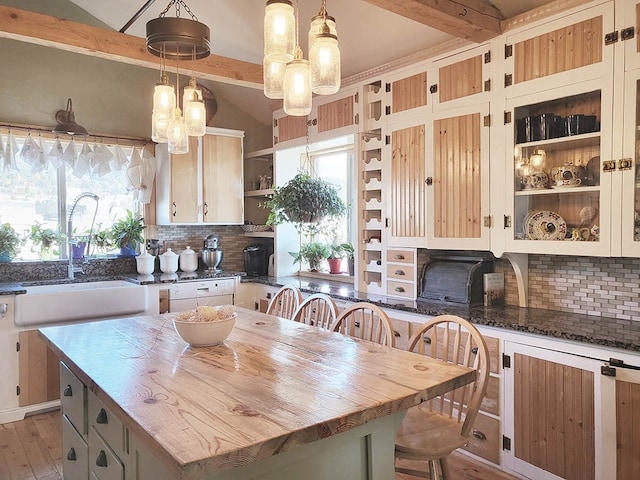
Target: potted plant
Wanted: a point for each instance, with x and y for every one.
(336, 254)
(304, 199)
(101, 239)
(126, 233)
(9, 242)
(45, 238)
(78, 243)
(313, 253)
(349, 251)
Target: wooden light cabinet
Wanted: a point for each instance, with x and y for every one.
(204, 186)
(39, 376)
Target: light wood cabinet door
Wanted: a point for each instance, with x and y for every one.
(458, 180)
(407, 93)
(552, 426)
(627, 424)
(39, 374)
(335, 115)
(287, 128)
(406, 196)
(222, 180)
(183, 207)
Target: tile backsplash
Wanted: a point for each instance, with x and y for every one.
(602, 287)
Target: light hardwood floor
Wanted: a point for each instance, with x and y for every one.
(31, 450)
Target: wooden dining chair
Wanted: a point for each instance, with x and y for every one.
(432, 430)
(318, 310)
(366, 321)
(285, 301)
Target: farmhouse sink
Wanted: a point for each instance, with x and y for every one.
(43, 304)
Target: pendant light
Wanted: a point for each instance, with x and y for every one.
(324, 54)
(279, 25)
(177, 38)
(177, 138)
(273, 77)
(193, 108)
(297, 81)
(164, 105)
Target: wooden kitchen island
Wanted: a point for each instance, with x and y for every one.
(277, 400)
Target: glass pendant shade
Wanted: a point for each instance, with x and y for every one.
(324, 59)
(164, 100)
(159, 128)
(316, 27)
(178, 140)
(273, 76)
(297, 88)
(279, 31)
(194, 110)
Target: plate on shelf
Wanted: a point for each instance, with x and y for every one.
(545, 225)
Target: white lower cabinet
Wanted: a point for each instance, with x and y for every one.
(75, 452)
(568, 412)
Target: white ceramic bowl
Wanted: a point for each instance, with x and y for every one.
(204, 334)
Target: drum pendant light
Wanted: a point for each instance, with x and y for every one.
(177, 38)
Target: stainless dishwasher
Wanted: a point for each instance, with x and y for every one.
(188, 295)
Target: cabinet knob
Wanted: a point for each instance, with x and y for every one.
(102, 417)
(71, 455)
(68, 392)
(101, 459)
(479, 435)
(474, 350)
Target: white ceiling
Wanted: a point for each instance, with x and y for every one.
(369, 36)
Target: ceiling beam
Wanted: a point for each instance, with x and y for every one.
(97, 42)
(468, 19)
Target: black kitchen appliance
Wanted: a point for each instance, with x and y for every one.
(455, 279)
(255, 260)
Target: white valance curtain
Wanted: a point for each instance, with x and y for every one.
(88, 156)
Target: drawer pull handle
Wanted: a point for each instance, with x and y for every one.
(399, 272)
(68, 392)
(426, 340)
(474, 350)
(396, 334)
(479, 435)
(101, 459)
(102, 417)
(71, 455)
(399, 289)
(398, 257)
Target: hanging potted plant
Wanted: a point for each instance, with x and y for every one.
(304, 199)
(126, 233)
(45, 238)
(313, 253)
(9, 243)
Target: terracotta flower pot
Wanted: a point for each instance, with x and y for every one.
(335, 265)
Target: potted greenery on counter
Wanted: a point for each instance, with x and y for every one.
(126, 233)
(45, 238)
(9, 243)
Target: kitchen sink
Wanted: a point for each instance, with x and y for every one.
(44, 304)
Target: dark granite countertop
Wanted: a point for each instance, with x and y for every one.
(592, 329)
(597, 330)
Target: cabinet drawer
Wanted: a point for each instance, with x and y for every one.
(401, 272)
(103, 463)
(400, 256)
(485, 441)
(73, 396)
(401, 289)
(75, 452)
(106, 424)
(402, 332)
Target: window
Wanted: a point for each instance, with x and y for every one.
(39, 185)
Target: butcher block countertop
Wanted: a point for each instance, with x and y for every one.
(272, 386)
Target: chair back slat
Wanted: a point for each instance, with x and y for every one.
(285, 302)
(318, 310)
(366, 321)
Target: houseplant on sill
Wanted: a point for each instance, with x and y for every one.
(126, 233)
(9, 242)
(313, 253)
(304, 200)
(336, 254)
(349, 251)
(45, 238)
(79, 244)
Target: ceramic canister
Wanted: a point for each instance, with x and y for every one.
(168, 262)
(188, 260)
(145, 263)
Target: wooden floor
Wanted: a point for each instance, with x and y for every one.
(31, 449)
